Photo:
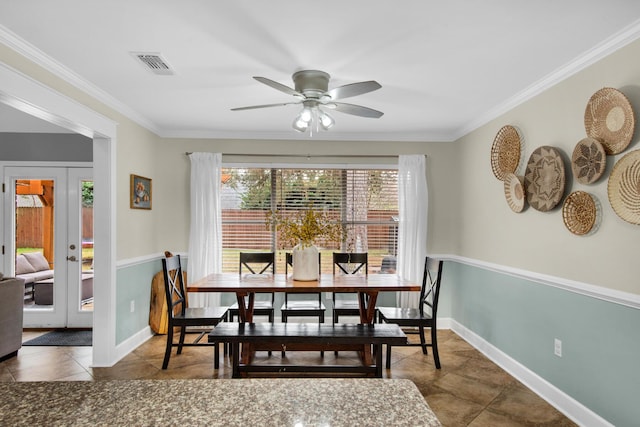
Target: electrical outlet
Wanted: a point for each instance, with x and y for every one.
(132, 306)
(557, 347)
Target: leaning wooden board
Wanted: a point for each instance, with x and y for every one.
(158, 320)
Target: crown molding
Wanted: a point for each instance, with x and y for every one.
(296, 136)
(590, 57)
(40, 58)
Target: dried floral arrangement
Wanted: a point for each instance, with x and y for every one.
(304, 227)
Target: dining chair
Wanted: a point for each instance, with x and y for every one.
(425, 316)
(181, 316)
(257, 263)
(302, 307)
(348, 263)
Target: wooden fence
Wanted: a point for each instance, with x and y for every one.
(29, 228)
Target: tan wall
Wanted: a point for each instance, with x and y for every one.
(538, 241)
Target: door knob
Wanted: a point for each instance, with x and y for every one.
(72, 258)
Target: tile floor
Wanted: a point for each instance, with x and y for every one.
(469, 390)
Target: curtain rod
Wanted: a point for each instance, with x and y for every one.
(307, 155)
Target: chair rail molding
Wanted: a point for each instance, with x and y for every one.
(611, 295)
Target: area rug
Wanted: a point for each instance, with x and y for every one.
(63, 337)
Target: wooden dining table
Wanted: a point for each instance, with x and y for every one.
(246, 286)
(367, 288)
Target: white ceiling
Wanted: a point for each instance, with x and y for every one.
(445, 67)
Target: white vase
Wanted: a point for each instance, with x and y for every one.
(305, 262)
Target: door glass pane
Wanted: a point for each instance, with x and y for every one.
(35, 240)
(86, 224)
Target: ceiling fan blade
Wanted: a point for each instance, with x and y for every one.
(353, 89)
(279, 86)
(356, 110)
(253, 107)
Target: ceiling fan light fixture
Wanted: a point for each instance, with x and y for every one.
(305, 115)
(326, 121)
(300, 125)
(303, 120)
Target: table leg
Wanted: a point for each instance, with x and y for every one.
(246, 316)
(245, 312)
(367, 306)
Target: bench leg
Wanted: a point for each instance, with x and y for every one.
(235, 359)
(388, 356)
(284, 320)
(216, 356)
(377, 349)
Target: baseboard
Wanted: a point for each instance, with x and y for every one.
(133, 342)
(570, 407)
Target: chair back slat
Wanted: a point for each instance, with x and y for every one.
(174, 285)
(430, 291)
(257, 262)
(351, 262)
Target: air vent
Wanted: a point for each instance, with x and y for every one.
(154, 63)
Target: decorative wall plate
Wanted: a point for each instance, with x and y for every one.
(589, 161)
(579, 212)
(624, 187)
(609, 118)
(505, 152)
(544, 178)
(514, 192)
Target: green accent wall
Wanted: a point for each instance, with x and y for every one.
(599, 366)
(133, 283)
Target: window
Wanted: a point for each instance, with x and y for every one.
(364, 201)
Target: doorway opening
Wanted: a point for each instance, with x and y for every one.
(50, 225)
(35, 228)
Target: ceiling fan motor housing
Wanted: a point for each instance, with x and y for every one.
(311, 83)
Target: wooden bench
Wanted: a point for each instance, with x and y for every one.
(307, 336)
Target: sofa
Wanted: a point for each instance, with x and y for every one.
(32, 267)
(11, 303)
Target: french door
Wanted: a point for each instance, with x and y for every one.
(49, 210)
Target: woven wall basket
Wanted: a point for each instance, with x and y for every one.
(609, 118)
(624, 187)
(579, 212)
(514, 192)
(588, 161)
(544, 179)
(505, 152)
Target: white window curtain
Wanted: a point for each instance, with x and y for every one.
(412, 224)
(205, 234)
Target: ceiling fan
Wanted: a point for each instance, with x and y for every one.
(312, 91)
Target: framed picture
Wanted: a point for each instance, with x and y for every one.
(140, 192)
